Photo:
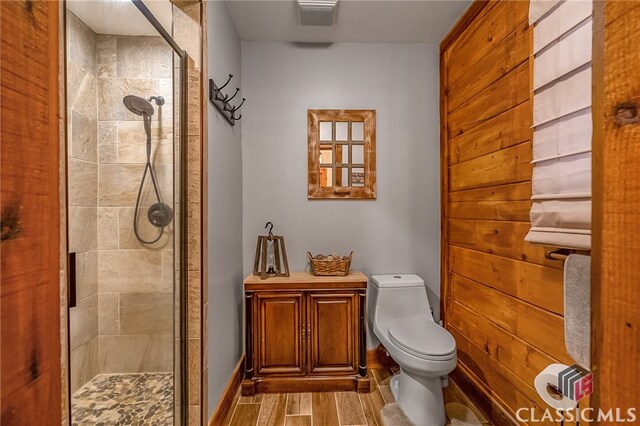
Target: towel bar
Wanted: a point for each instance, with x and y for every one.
(558, 254)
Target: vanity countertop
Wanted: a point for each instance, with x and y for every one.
(306, 281)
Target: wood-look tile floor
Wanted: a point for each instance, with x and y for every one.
(326, 408)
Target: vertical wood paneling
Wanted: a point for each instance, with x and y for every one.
(503, 301)
(30, 206)
(615, 349)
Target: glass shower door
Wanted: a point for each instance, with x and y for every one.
(124, 185)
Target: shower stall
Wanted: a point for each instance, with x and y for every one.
(126, 256)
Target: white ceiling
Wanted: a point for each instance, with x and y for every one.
(121, 17)
(364, 21)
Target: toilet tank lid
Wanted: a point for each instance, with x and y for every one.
(397, 280)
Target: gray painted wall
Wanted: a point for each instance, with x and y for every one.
(397, 233)
(225, 213)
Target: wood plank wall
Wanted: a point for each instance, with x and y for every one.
(502, 300)
(30, 207)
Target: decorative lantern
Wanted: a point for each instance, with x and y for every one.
(271, 256)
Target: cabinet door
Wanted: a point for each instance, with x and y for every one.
(280, 331)
(332, 333)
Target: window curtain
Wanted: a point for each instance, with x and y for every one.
(562, 127)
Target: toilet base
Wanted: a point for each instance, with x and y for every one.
(420, 397)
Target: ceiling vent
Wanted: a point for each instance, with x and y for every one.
(319, 13)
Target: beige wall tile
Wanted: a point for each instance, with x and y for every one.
(168, 272)
(108, 314)
(83, 321)
(194, 224)
(194, 113)
(195, 369)
(130, 270)
(82, 183)
(84, 364)
(194, 286)
(193, 185)
(106, 60)
(166, 89)
(82, 43)
(194, 415)
(108, 142)
(143, 57)
(147, 231)
(86, 274)
(186, 28)
(111, 91)
(135, 354)
(194, 260)
(83, 229)
(107, 228)
(81, 95)
(132, 141)
(118, 185)
(84, 132)
(146, 313)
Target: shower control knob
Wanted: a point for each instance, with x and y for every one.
(160, 215)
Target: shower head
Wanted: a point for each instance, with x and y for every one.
(138, 105)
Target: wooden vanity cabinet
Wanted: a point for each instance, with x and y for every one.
(305, 333)
(281, 348)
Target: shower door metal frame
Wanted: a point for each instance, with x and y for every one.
(184, 380)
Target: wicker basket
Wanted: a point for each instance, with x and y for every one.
(330, 265)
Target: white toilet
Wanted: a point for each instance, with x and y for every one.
(400, 316)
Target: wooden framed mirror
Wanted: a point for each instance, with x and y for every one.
(342, 154)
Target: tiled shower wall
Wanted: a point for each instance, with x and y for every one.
(135, 296)
(82, 164)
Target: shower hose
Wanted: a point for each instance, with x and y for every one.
(159, 208)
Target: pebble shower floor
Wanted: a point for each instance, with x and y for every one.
(124, 399)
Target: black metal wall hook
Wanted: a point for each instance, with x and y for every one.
(233, 111)
(225, 84)
(228, 99)
(217, 92)
(222, 101)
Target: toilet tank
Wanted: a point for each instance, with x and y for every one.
(395, 297)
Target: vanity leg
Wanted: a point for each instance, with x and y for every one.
(247, 387)
(362, 370)
(363, 382)
(248, 343)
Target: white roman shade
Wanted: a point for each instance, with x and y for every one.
(561, 185)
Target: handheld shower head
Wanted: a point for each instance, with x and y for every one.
(138, 105)
(160, 214)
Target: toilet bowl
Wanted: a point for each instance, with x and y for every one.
(399, 315)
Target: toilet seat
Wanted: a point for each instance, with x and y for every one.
(422, 338)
